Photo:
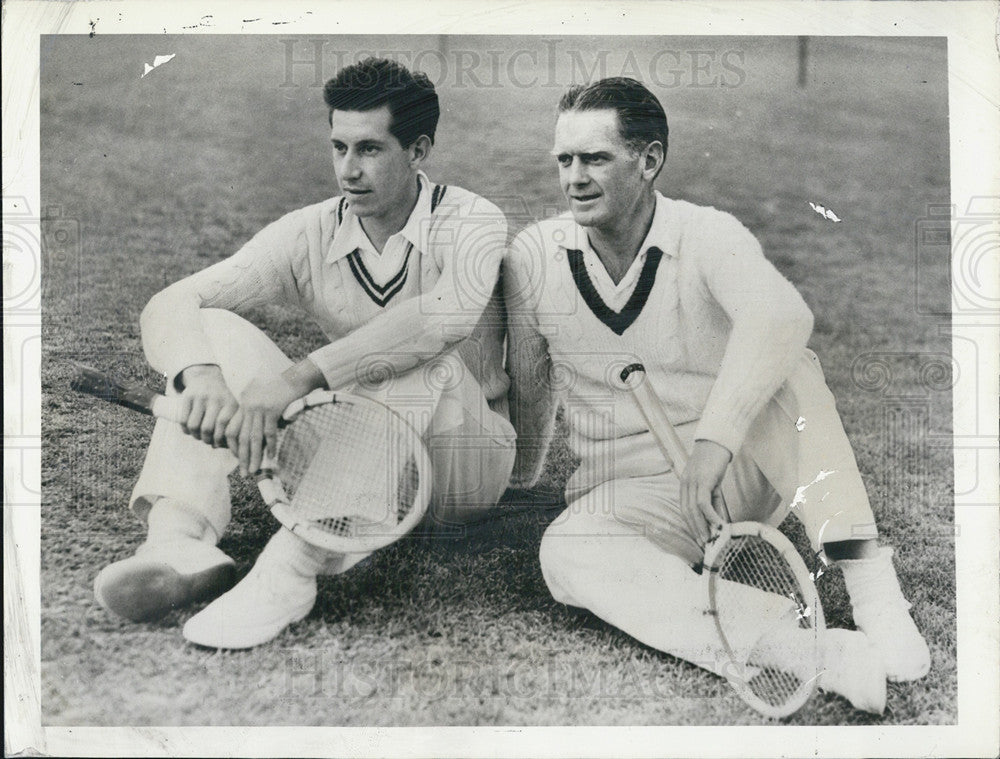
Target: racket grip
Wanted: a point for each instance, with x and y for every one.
(666, 436)
(634, 377)
(167, 407)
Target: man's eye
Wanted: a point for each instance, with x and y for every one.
(339, 148)
(370, 149)
(564, 160)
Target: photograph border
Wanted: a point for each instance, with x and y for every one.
(974, 115)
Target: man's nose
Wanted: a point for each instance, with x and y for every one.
(349, 166)
(577, 172)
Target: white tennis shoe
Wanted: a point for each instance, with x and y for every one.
(853, 669)
(883, 614)
(164, 575)
(279, 590)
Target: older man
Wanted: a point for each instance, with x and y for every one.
(628, 274)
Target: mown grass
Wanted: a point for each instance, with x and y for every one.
(167, 174)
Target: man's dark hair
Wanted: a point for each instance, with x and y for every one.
(641, 119)
(375, 82)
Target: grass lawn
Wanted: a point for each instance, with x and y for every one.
(146, 180)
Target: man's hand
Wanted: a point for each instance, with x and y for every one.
(255, 424)
(208, 404)
(701, 493)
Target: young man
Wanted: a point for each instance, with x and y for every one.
(397, 272)
(629, 275)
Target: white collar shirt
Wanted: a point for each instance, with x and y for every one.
(660, 235)
(351, 236)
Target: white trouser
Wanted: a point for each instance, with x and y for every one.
(471, 446)
(622, 550)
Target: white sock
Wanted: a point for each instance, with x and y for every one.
(872, 580)
(882, 612)
(169, 519)
(287, 552)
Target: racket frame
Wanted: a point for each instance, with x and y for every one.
(272, 489)
(739, 673)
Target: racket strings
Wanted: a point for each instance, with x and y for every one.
(349, 468)
(753, 561)
(782, 660)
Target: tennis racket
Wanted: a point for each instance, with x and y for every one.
(750, 568)
(350, 474)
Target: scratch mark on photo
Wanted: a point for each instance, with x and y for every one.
(157, 62)
(825, 212)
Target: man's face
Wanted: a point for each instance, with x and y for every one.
(373, 170)
(600, 175)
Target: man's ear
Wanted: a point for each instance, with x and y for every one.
(652, 160)
(420, 150)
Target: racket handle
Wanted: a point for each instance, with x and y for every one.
(634, 377)
(666, 436)
(170, 408)
(140, 398)
(91, 381)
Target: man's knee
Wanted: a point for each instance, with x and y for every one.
(555, 555)
(578, 536)
(470, 476)
(219, 323)
(241, 348)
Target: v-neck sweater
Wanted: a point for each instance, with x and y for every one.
(715, 324)
(423, 295)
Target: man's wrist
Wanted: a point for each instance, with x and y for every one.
(715, 445)
(188, 373)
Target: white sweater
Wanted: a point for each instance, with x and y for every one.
(449, 257)
(717, 327)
